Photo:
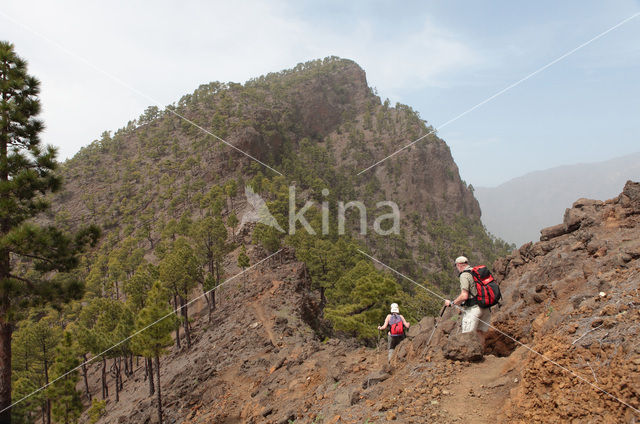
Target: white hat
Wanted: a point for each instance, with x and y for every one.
(462, 260)
(394, 308)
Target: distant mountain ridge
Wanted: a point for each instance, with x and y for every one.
(518, 209)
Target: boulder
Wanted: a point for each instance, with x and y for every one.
(552, 232)
(375, 378)
(464, 347)
(573, 219)
(583, 202)
(630, 196)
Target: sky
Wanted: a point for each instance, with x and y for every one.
(102, 63)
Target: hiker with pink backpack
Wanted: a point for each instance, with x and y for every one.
(397, 327)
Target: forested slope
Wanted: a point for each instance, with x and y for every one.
(169, 197)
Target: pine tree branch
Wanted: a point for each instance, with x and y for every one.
(24, 280)
(361, 310)
(31, 256)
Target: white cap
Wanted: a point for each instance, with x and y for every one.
(394, 308)
(462, 260)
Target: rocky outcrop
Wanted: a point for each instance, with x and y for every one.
(573, 298)
(593, 217)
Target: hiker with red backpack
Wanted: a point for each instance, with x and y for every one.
(478, 292)
(397, 327)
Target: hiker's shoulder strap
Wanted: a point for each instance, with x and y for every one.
(472, 271)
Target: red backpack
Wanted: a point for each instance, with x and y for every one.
(486, 287)
(396, 328)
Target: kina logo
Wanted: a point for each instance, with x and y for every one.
(258, 212)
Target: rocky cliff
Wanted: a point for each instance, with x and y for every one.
(319, 125)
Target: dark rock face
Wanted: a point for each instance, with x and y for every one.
(320, 103)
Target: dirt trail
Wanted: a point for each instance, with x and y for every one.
(267, 324)
(474, 389)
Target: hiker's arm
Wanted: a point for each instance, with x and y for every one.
(386, 322)
(464, 295)
(405, 322)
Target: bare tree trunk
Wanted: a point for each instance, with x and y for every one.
(158, 391)
(115, 377)
(175, 307)
(185, 315)
(206, 297)
(84, 376)
(105, 388)
(149, 367)
(6, 329)
(119, 371)
(212, 293)
(125, 359)
(47, 404)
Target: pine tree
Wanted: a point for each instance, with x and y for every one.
(116, 273)
(156, 321)
(26, 174)
(103, 323)
(326, 261)
(45, 335)
(231, 190)
(67, 401)
(26, 374)
(243, 259)
(267, 236)
(210, 236)
(180, 272)
(232, 221)
(137, 287)
(360, 299)
(97, 283)
(137, 290)
(35, 342)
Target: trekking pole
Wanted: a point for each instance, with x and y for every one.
(435, 325)
(378, 348)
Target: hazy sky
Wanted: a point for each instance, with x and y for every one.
(440, 57)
